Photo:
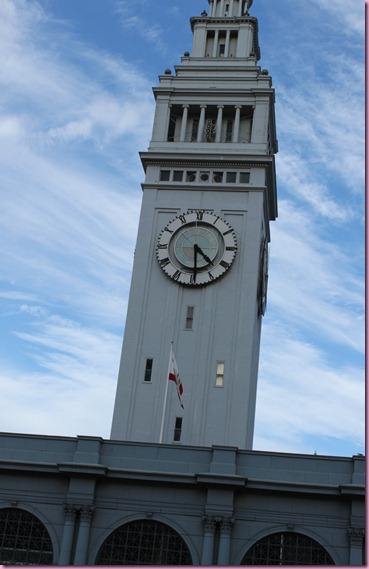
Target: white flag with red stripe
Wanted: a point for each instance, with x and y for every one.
(173, 375)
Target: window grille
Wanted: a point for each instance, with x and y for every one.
(287, 548)
(144, 542)
(24, 540)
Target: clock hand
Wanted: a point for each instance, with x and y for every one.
(194, 264)
(198, 249)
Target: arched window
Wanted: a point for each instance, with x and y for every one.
(287, 548)
(144, 542)
(24, 540)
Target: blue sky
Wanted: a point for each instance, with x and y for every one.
(76, 107)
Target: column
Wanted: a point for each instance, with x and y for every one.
(218, 132)
(86, 514)
(221, 8)
(356, 536)
(226, 526)
(208, 541)
(216, 41)
(182, 137)
(200, 133)
(240, 8)
(231, 8)
(226, 49)
(236, 126)
(68, 534)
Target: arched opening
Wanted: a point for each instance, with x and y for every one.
(144, 542)
(24, 540)
(287, 548)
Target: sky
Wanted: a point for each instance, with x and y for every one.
(76, 108)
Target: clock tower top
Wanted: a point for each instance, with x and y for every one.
(229, 8)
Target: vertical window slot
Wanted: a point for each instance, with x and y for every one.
(148, 369)
(177, 429)
(220, 375)
(189, 317)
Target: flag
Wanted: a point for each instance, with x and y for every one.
(173, 375)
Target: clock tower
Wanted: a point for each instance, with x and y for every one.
(200, 271)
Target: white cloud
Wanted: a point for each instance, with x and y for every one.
(140, 24)
(73, 364)
(313, 283)
(302, 396)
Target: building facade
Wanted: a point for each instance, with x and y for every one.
(180, 485)
(88, 501)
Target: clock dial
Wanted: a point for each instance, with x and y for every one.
(263, 277)
(196, 248)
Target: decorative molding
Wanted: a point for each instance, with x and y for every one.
(356, 535)
(226, 525)
(209, 523)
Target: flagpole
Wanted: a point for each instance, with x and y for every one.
(165, 395)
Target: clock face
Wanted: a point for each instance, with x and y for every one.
(196, 248)
(263, 278)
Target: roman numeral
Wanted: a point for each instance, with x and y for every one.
(160, 246)
(199, 215)
(164, 262)
(182, 218)
(224, 264)
(230, 248)
(211, 277)
(169, 230)
(176, 275)
(229, 231)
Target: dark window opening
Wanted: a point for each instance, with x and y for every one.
(195, 130)
(244, 177)
(144, 542)
(229, 130)
(177, 429)
(24, 540)
(148, 369)
(287, 548)
(164, 175)
(177, 175)
(231, 177)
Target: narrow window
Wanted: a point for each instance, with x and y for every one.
(189, 317)
(220, 375)
(177, 176)
(221, 49)
(148, 369)
(164, 175)
(177, 429)
(244, 177)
